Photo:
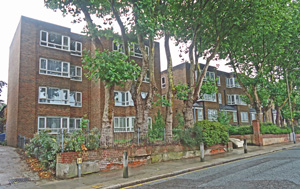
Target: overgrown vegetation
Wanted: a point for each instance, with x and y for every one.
(270, 128)
(240, 130)
(45, 146)
(208, 132)
(157, 131)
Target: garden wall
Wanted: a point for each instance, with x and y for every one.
(111, 159)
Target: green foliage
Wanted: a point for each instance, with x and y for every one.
(157, 130)
(209, 87)
(182, 91)
(110, 66)
(240, 130)
(44, 147)
(84, 122)
(270, 128)
(162, 101)
(224, 118)
(208, 132)
(178, 131)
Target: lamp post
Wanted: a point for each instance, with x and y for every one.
(290, 104)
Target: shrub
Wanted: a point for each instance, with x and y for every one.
(240, 130)
(270, 128)
(157, 130)
(208, 132)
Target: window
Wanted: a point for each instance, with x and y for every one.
(57, 124)
(50, 95)
(231, 82)
(234, 116)
(123, 98)
(209, 97)
(212, 115)
(74, 124)
(220, 98)
(118, 47)
(244, 117)
(209, 76)
(54, 67)
(274, 118)
(58, 41)
(147, 77)
(76, 73)
(136, 50)
(219, 81)
(234, 99)
(199, 114)
(163, 82)
(75, 99)
(124, 124)
(76, 48)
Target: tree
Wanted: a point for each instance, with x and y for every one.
(113, 69)
(259, 53)
(2, 84)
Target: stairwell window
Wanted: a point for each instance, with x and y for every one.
(199, 114)
(244, 117)
(123, 98)
(220, 98)
(124, 124)
(219, 81)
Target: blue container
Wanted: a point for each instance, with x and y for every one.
(2, 137)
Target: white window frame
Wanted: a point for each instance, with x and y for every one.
(253, 116)
(77, 103)
(235, 99)
(76, 52)
(199, 113)
(78, 75)
(129, 124)
(231, 83)
(163, 84)
(128, 98)
(62, 46)
(209, 97)
(212, 114)
(149, 122)
(219, 81)
(54, 130)
(220, 98)
(48, 71)
(244, 117)
(144, 95)
(210, 75)
(115, 44)
(77, 127)
(234, 117)
(138, 54)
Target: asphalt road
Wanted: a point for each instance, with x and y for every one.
(276, 170)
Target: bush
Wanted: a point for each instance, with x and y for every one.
(157, 130)
(270, 128)
(240, 130)
(208, 132)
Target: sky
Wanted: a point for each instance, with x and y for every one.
(10, 16)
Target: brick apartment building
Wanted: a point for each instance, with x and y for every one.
(47, 88)
(227, 98)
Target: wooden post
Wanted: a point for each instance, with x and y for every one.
(245, 146)
(125, 164)
(202, 152)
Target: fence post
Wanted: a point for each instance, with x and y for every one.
(62, 140)
(245, 146)
(202, 152)
(138, 136)
(125, 164)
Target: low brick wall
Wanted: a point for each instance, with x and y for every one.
(111, 159)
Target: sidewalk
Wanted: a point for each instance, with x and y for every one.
(113, 179)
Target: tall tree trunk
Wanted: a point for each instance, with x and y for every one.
(188, 114)
(169, 116)
(278, 116)
(107, 121)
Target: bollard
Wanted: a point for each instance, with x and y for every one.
(202, 152)
(245, 146)
(62, 140)
(125, 164)
(79, 162)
